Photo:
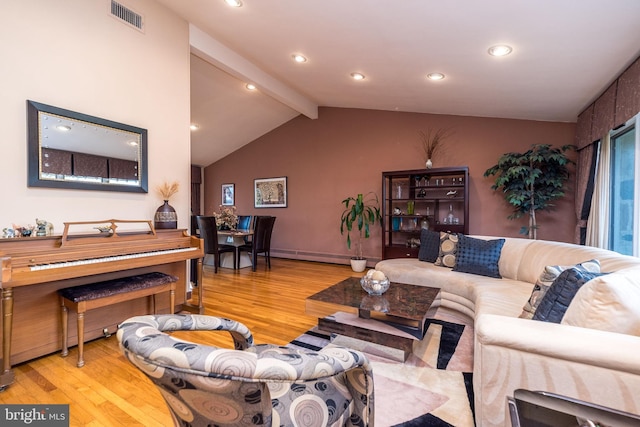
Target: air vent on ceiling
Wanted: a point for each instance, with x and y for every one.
(127, 15)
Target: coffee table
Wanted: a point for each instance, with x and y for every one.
(396, 319)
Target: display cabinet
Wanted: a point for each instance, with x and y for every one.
(436, 199)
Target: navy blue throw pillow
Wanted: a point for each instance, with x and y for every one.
(555, 302)
(429, 245)
(477, 256)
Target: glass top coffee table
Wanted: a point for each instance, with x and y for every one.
(395, 319)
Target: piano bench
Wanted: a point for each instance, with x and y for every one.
(101, 294)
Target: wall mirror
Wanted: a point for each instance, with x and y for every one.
(77, 151)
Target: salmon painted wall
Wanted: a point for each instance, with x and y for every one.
(345, 151)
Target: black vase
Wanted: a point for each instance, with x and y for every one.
(165, 217)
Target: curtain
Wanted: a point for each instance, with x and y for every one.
(598, 225)
(196, 180)
(585, 177)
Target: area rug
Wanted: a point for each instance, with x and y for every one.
(433, 388)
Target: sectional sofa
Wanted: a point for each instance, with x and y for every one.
(592, 354)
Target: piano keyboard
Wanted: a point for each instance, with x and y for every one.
(108, 259)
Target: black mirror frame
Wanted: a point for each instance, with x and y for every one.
(33, 125)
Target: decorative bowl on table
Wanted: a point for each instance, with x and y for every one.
(375, 282)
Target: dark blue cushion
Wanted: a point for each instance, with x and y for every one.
(477, 256)
(429, 245)
(555, 302)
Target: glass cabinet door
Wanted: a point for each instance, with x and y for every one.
(434, 199)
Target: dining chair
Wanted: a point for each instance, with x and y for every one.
(261, 241)
(244, 222)
(209, 232)
(249, 385)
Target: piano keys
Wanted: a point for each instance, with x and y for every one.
(34, 268)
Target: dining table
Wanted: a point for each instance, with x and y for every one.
(235, 238)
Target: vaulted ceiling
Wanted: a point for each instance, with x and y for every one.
(565, 52)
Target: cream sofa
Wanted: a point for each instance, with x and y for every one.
(592, 355)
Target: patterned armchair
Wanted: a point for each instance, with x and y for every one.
(264, 385)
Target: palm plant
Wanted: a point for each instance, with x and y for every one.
(532, 180)
(363, 211)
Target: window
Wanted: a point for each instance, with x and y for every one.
(624, 222)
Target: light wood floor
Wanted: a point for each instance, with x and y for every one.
(108, 391)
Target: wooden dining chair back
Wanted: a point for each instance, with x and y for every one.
(209, 232)
(261, 242)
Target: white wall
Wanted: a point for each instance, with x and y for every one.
(72, 54)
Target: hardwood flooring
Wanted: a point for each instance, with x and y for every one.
(109, 391)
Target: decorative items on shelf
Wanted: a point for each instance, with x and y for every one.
(226, 218)
(410, 207)
(433, 143)
(424, 224)
(166, 217)
(413, 242)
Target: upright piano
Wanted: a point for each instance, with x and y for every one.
(34, 268)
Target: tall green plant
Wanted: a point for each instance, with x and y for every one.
(361, 211)
(532, 180)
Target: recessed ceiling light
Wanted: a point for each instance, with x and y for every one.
(233, 3)
(133, 143)
(63, 128)
(357, 76)
(435, 76)
(500, 50)
(299, 58)
(194, 126)
(250, 86)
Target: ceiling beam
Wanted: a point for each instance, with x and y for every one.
(214, 52)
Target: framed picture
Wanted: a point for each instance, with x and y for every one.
(228, 194)
(270, 192)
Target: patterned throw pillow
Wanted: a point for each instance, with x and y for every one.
(560, 294)
(477, 256)
(429, 245)
(548, 275)
(448, 249)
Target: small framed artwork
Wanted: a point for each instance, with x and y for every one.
(228, 194)
(270, 192)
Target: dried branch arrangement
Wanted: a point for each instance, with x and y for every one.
(167, 190)
(432, 141)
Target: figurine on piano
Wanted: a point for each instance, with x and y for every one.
(44, 227)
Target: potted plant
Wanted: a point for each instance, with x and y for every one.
(532, 180)
(361, 211)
